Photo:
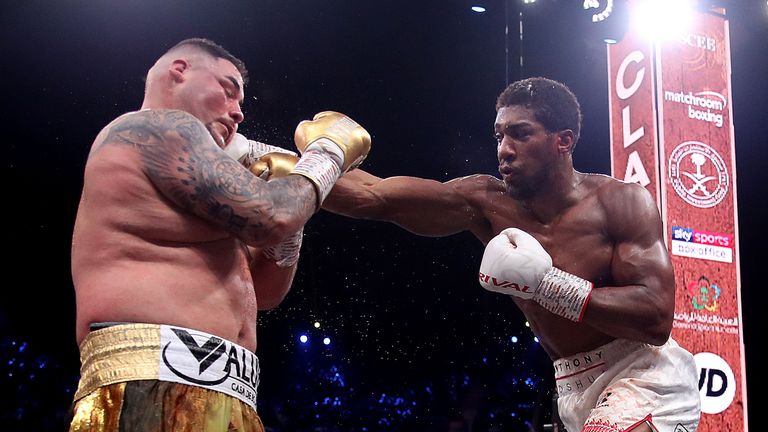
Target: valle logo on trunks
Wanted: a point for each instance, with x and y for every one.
(197, 358)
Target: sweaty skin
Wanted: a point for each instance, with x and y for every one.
(169, 228)
(593, 226)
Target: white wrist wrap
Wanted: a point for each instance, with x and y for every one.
(564, 294)
(321, 169)
(248, 151)
(286, 253)
(260, 149)
(324, 144)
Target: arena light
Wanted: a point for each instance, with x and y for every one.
(303, 338)
(613, 29)
(478, 8)
(662, 20)
(529, 1)
(317, 324)
(513, 339)
(327, 341)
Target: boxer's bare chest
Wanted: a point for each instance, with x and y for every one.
(579, 243)
(576, 237)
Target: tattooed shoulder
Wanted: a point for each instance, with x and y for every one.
(147, 128)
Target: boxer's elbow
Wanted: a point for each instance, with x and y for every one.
(271, 283)
(658, 338)
(269, 302)
(659, 327)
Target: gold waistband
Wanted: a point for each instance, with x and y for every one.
(125, 352)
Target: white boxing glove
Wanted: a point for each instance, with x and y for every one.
(248, 151)
(516, 264)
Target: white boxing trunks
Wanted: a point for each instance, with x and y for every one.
(627, 383)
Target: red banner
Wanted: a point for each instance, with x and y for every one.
(697, 169)
(634, 148)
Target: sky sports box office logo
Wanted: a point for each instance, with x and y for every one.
(692, 243)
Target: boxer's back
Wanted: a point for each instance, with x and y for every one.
(138, 257)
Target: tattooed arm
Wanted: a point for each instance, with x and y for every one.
(182, 160)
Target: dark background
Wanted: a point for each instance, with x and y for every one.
(415, 343)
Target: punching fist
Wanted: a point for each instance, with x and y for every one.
(334, 133)
(330, 145)
(516, 264)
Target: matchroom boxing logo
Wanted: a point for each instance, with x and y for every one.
(698, 174)
(706, 106)
(717, 383)
(204, 360)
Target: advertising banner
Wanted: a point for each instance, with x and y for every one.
(696, 190)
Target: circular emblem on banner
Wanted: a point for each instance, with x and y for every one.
(717, 384)
(698, 174)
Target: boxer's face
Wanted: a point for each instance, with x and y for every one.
(526, 151)
(212, 91)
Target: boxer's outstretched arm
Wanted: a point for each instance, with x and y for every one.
(642, 303)
(421, 206)
(182, 160)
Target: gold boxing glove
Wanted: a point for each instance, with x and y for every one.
(270, 166)
(334, 133)
(330, 145)
(273, 165)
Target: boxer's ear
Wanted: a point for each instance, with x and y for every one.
(177, 69)
(565, 141)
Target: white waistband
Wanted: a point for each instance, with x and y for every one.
(197, 358)
(128, 352)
